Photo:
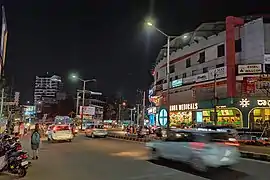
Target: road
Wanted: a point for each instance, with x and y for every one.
(110, 159)
(254, 149)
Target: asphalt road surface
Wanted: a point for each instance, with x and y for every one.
(254, 149)
(110, 159)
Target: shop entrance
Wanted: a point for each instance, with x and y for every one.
(259, 118)
(226, 116)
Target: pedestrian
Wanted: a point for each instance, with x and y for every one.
(35, 142)
(22, 129)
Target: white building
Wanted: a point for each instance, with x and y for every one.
(200, 56)
(46, 89)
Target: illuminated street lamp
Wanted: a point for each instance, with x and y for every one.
(168, 70)
(84, 86)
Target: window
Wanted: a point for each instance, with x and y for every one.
(221, 50)
(193, 72)
(172, 69)
(201, 57)
(184, 75)
(220, 65)
(188, 64)
(238, 46)
(176, 77)
(179, 137)
(205, 70)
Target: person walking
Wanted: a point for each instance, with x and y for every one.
(35, 142)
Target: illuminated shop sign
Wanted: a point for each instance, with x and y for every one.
(177, 83)
(183, 107)
(263, 102)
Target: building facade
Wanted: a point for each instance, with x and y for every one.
(46, 89)
(218, 64)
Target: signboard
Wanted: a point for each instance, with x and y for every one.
(263, 102)
(184, 107)
(202, 77)
(163, 117)
(250, 69)
(267, 58)
(219, 72)
(87, 110)
(190, 79)
(177, 83)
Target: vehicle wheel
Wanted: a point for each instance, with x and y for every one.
(154, 154)
(22, 172)
(70, 140)
(198, 164)
(105, 136)
(92, 136)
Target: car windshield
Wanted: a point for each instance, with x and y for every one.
(99, 127)
(218, 137)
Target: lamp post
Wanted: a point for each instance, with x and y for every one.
(83, 96)
(167, 72)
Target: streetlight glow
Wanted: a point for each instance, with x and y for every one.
(149, 24)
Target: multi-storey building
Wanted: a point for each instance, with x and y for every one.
(220, 64)
(46, 89)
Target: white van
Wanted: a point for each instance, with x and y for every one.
(60, 133)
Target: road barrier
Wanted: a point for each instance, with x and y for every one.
(244, 154)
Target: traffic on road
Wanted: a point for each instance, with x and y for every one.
(113, 159)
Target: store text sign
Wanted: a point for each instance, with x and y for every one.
(263, 102)
(184, 107)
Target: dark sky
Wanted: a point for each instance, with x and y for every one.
(104, 39)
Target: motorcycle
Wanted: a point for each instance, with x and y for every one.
(13, 161)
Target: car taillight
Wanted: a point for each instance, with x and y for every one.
(197, 145)
(232, 144)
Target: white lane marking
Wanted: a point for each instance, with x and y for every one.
(254, 160)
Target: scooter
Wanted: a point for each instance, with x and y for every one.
(13, 161)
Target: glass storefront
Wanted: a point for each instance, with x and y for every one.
(259, 117)
(226, 116)
(180, 117)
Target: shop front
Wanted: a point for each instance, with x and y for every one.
(258, 112)
(183, 114)
(228, 113)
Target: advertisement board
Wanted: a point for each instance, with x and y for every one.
(87, 110)
(249, 69)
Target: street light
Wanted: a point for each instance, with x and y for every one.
(84, 86)
(168, 71)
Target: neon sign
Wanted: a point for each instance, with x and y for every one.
(183, 107)
(263, 102)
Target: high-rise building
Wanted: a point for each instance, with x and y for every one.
(46, 89)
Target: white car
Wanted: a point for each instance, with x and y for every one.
(60, 133)
(200, 149)
(96, 131)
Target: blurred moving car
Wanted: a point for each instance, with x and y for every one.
(60, 133)
(96, 131)
(200, 149)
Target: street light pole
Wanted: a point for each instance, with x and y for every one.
(168, 84)
(77, 103)
(167, 73)
(83, 98)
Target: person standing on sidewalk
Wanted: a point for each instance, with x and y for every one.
(35, 142)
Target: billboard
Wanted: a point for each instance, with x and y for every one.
(87, 110)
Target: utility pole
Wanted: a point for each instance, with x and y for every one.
(215, 98)
(138, 114)
(143, 110)
(119, 113)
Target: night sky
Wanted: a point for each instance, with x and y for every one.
(104, 39)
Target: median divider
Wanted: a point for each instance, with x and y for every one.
(244, 154)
